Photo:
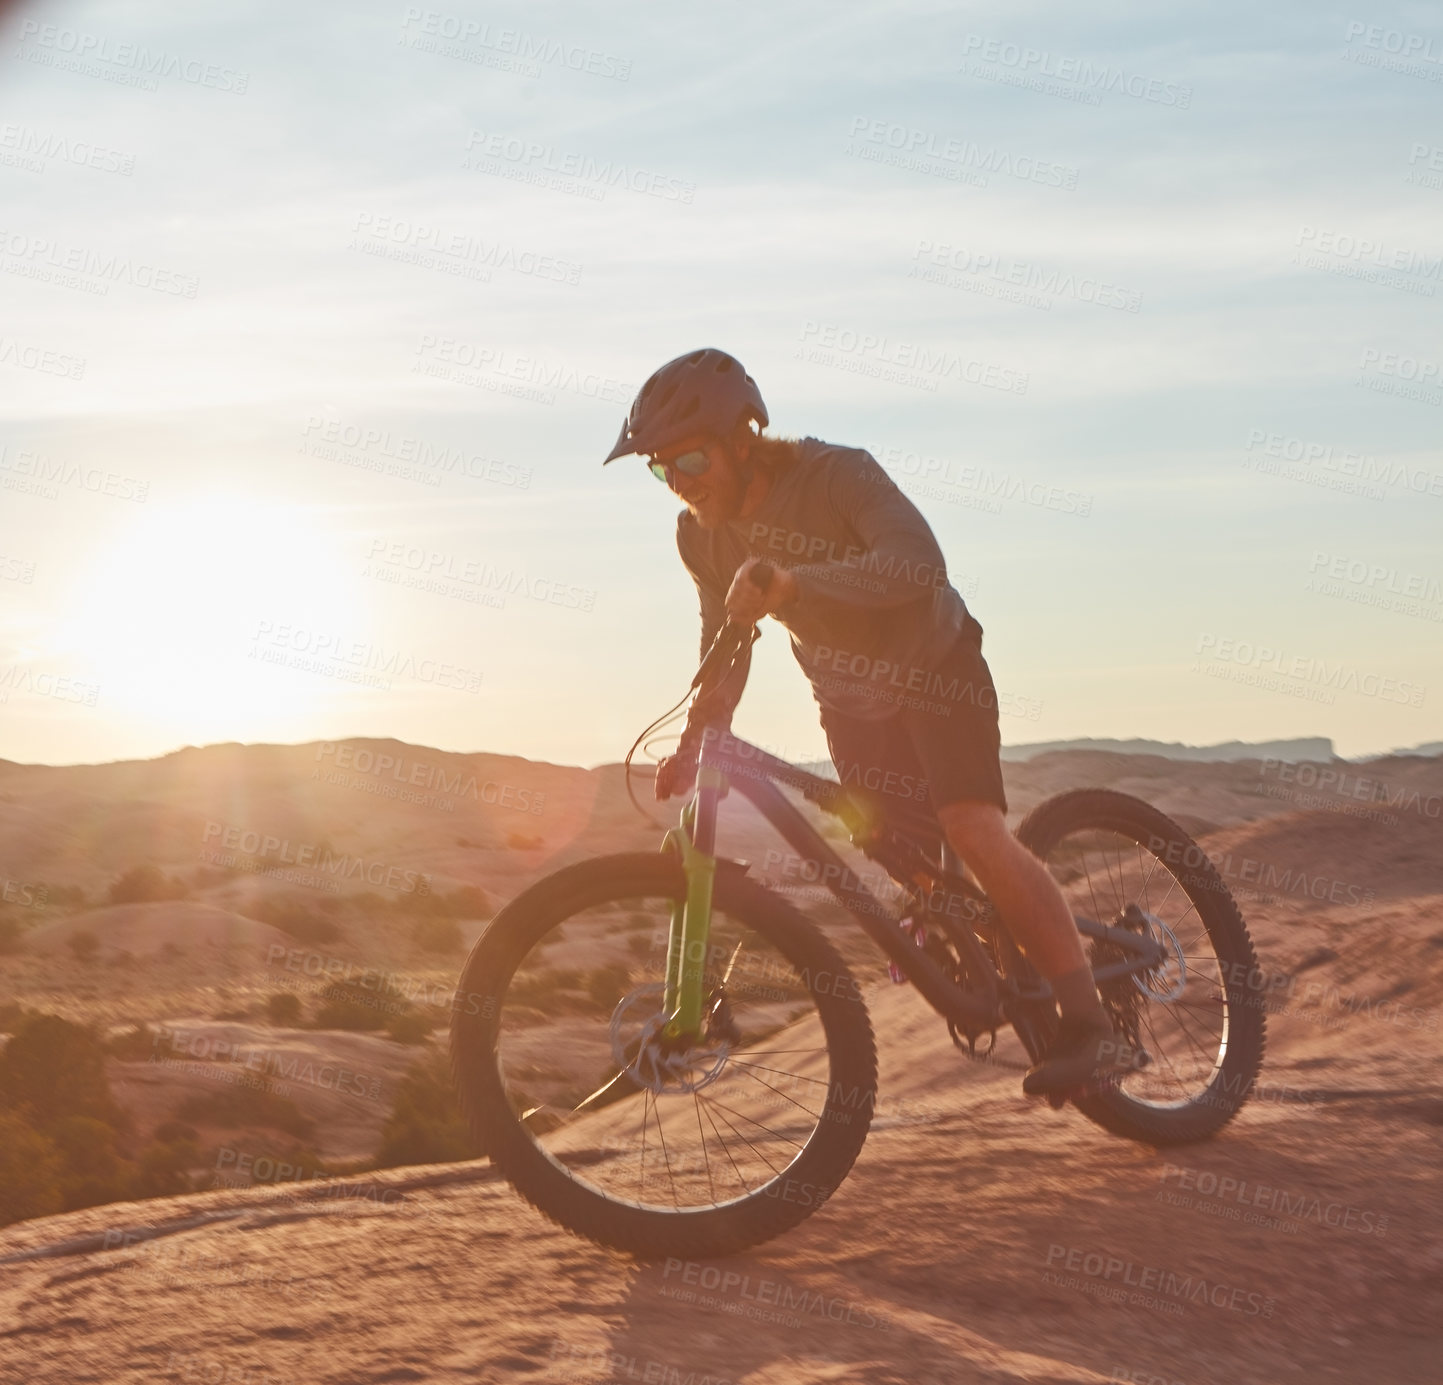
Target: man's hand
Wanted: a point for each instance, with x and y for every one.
(748, 602)
(675, 775)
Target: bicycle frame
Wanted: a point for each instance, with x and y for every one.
(726, 762)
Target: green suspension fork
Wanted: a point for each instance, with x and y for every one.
(695, 842)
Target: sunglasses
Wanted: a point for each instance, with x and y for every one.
(689, 464)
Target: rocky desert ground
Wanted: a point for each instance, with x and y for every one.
(979, 1237)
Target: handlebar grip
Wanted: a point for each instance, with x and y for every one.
(762, 575)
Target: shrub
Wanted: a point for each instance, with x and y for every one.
(237, 1105)
(84, 944)
(30, 1172)
(349, 1005)
(51, 1069)
(437, 935)
(606, 985)
(297, 920)
(409, 1028)
(92, 1170)
(146, 884)
(284, 1008)
(425, 1125)
(135, 1045)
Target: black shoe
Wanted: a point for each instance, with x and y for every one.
(1082, 1052)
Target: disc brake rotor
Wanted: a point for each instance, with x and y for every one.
(649, 1060)
(1167, 980)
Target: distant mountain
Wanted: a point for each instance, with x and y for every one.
(1315, 748)
(1429, 748)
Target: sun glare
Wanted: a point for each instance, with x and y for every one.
(167, 617)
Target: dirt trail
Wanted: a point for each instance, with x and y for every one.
(944, 1257)
(979, 1238)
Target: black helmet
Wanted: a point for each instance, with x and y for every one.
(702, 392)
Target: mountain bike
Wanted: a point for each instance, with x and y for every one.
(668, 1057)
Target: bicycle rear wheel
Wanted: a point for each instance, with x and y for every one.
(1121, 862)
(572, 1090)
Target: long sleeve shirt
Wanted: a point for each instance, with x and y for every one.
(874, 611)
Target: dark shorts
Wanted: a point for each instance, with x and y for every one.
(940, 747)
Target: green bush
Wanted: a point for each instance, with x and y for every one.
(302, 923)
(437, 935)
(30, 1172)
(348, 1005)
(135, 1045)
(606, 985)
(93, 1171)
(409, 1028)
(425, 1125)
(284, 1008)
(146, 884)
(84, 944)
(52, 1069)
(237, 1105)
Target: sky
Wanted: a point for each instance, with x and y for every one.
(316, 323)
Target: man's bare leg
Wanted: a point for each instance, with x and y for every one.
(1033, 907)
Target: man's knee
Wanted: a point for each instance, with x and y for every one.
(972, 825)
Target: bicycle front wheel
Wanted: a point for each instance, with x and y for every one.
(620, 1136)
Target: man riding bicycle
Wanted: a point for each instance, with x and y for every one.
(892, 653)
